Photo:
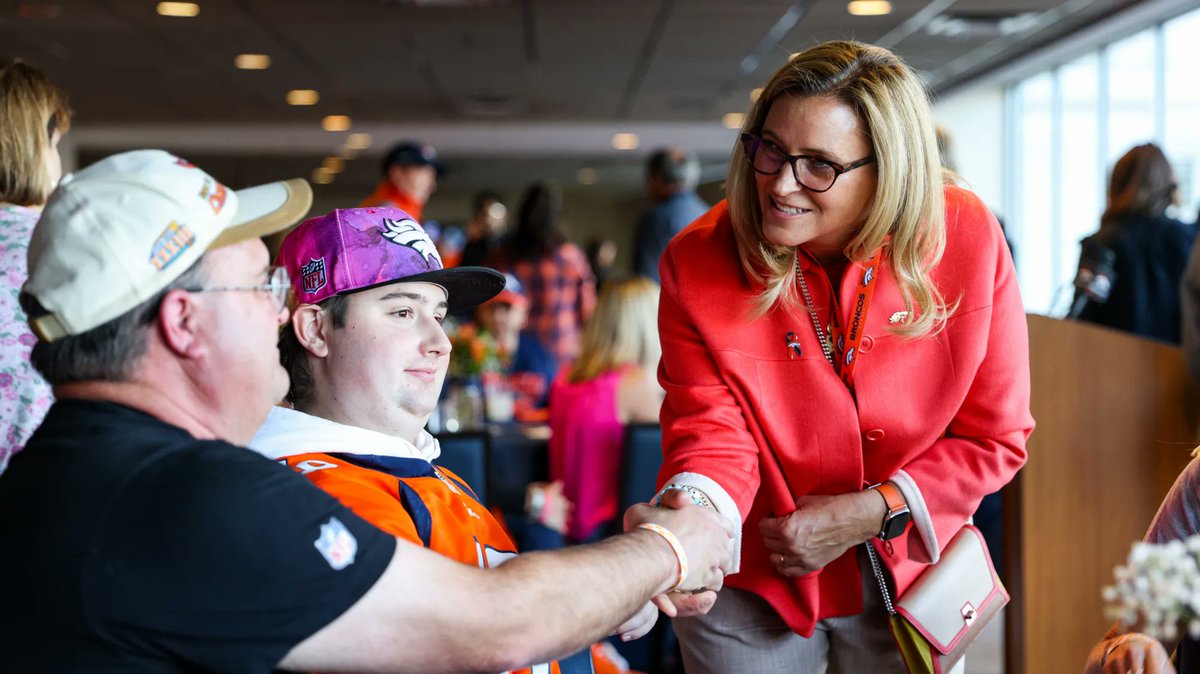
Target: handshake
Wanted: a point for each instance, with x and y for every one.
(702, 540)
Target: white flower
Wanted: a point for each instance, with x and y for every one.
(1158, 588)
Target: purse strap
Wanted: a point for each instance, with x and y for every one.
(877, 568)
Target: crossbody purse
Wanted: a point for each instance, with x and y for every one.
(942, 613)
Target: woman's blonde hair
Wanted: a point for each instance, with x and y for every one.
(909, 205)
(623, 330)
(32, 108)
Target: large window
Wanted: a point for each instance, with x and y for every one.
(1181, 124)
(1071, 124)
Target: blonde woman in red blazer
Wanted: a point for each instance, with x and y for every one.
(914, 393)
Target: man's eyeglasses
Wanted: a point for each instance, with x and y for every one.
(812, 173)
(278, 283)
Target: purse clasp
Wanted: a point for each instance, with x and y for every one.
(969, 613)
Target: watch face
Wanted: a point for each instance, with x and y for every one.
(895, 525)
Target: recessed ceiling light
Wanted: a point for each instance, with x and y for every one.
(358, 141)
(184, 9)
(586, 176)
(733, 120)
(303, 97)
(322, 176)
(335, 123)
(869, 7)
(252, 61)
(333, 164)
(625, 141)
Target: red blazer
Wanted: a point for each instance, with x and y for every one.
(947, 414)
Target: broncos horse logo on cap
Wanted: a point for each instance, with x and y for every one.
(409, 233)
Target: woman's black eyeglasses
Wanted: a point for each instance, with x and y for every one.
(814, 174)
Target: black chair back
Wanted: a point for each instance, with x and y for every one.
(640, 461)
(466, 454)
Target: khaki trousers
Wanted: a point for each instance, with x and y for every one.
(743, 634)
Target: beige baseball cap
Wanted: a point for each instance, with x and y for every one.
(114, 234)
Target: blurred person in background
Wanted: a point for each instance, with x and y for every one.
(554, 272)
(1146, 251)
(36, 116)
(410, 174)
(1189, 305)
(609, 385)
(601, 254)
(846, 365)
(671, 178)
(485, 229)
(530, 367)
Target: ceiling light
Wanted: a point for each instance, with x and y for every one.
(869, 7)
(358, 141)
(625, 141)
(303, 97)
(733, 120)
(252, 61)
(322, 176)
(335, 123)
(586, 176)
(755, 93)
(185, 9)
(333, 164)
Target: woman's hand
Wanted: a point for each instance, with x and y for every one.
(1132, 652)
(685, 604)
(639, 624)
(820, 529)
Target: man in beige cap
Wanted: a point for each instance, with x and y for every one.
(137, 535)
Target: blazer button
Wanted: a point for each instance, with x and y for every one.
(874, 435)
(866, 344)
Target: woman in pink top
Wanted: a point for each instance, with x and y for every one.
(611, 384)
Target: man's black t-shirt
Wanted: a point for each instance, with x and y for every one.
(127, 545)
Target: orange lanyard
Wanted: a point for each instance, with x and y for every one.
(842, 348)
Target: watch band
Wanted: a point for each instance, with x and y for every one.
(698, 497)
(897, 515)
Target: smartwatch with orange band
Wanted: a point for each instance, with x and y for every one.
(896, 519)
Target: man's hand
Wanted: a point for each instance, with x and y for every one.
(821, 529)
(1132, 652)
(705, 535)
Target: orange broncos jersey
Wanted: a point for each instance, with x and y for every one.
(430, 506)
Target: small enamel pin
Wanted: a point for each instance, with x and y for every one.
(897, 317)
(793, 343)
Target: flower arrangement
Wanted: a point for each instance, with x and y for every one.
(474, 353)
(1157, 590)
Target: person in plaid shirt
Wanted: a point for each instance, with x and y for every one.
(554, 272)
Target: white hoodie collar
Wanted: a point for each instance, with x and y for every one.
(287, 432)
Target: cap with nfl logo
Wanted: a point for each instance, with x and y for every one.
(354, 249)
(118, 232)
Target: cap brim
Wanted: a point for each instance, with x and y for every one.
(266, 209)
(466, 287)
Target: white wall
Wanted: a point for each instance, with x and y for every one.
(975, 120)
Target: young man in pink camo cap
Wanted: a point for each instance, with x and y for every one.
(367, 356)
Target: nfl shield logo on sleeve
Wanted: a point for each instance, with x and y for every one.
(336, 544)
(313, 275)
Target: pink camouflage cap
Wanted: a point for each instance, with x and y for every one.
(355, 249)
